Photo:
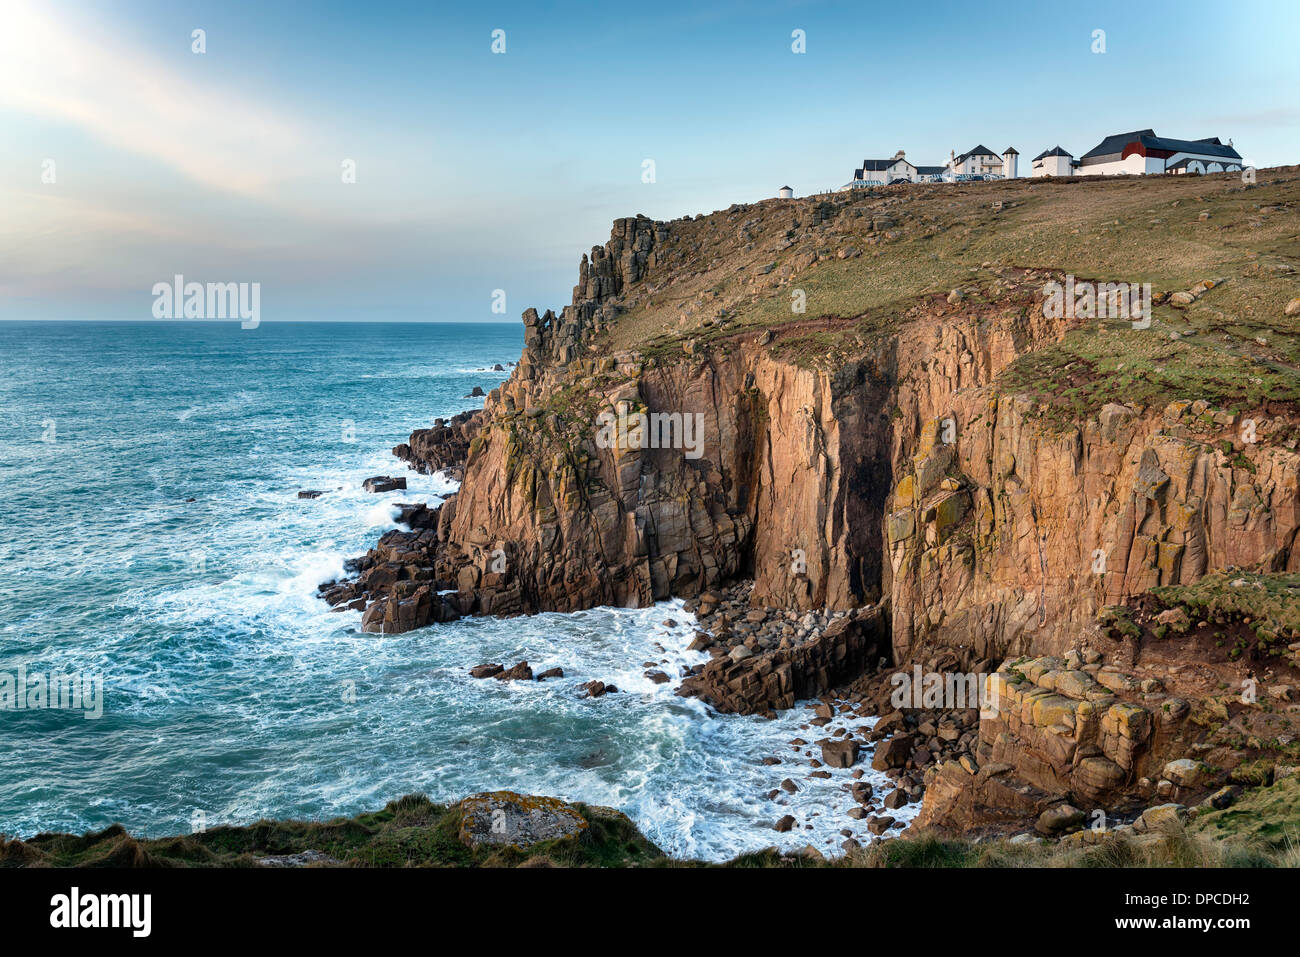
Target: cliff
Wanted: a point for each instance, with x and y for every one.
(868, 400)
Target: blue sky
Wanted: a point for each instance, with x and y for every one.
(477, 171)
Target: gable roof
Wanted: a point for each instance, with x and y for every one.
(1115, 144)
(1055, 151)
(1012, 150)
(977, 151)
(882, 164)
(930, 170)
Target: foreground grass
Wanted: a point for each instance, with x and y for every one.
(410, 832)
(1261, 830)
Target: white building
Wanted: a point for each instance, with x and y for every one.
(981, 161)
(880, 172)
(1142, 151)
(785, 192)
(1053, 162)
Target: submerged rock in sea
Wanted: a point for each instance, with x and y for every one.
(383, 483)
(516, 820)
(520, 672)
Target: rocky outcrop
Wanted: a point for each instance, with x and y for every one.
(443, 448)
(763, 683)
(893, 464)
(1007, 534)
(516, 820)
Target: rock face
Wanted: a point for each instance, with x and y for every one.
(516, 820)
(1048, 733)
(1034, 529)
(900, 472)
(776, 679)
(443, 447)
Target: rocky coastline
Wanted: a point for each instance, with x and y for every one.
(950, 481)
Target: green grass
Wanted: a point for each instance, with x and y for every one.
(410, 832)
(1271, 601)
(1261, 830)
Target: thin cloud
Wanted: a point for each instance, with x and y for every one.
(128, 99)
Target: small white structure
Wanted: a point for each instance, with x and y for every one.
(785, 192)
(1053, 162)
(1009, 162)
(1142, 151)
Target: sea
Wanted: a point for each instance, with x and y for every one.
(153, 545)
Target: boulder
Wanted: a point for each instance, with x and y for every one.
(839, 754)
(486, 671)
(384, 483)
(520, 672)
(1058, 818)
(1158, 817)
(516, 820)
(1185, 772)
(892, 752)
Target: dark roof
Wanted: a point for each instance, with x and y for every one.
(791, 188)
(1011, 149)
(1210, 146)
(1114, 144)
(930, 170)
(882, 164)
(1055, 151)
(977, 151)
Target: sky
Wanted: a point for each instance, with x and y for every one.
(127, 158)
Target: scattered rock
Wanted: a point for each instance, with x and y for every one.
(840, 754)
(383, 483)
(596, 689)
(520, 672)
(1058, 818)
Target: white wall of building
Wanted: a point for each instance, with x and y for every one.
(1052, 166)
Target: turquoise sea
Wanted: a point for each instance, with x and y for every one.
(151, 534)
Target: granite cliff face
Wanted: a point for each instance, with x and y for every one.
(1008, 538)
(921, 455)
(895, 467)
